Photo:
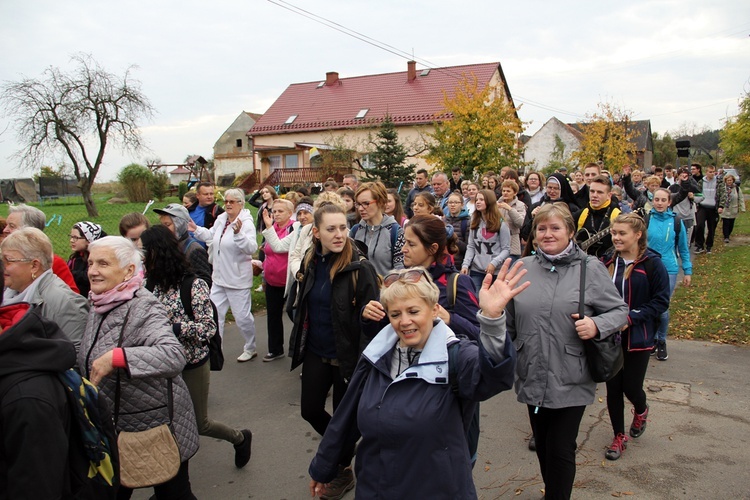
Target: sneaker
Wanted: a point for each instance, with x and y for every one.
(532, 443)
(242, 451)
(247, 356)
(272, 357)
(708, 251)
(699, 250)
(638, 427)
(661, 351)
(653, 350)
(337, 488)
(619, 443)
(726, 240)
(259, 289)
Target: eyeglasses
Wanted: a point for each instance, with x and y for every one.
(409, 275)
(232, 202)
(74, 237)
(364, 204)
(7, 261)
(454, 202)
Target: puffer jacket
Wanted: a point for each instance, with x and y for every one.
(552, 371)
(346, 308)
(646, 292)
(153, 354)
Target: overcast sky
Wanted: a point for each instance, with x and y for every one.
(202, 63)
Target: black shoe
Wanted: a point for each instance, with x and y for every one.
(726, 240)
(242, 451)
(272, 357)
(699, 250)
(661, 351)
(532, 443)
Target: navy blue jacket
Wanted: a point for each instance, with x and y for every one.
(413, 439)
(646, 292)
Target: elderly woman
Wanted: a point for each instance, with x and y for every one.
(412, 388)
(553, 379)
(81, 234)
(233, 244)
(27, 254)
(130, 351)
(513, 212)
(734, 205)
(381, 233)
(176, 217)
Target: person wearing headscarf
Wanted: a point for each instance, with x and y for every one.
(557, 190)
(81, 234)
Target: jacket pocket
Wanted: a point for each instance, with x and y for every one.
(574, 364)
(523, 361)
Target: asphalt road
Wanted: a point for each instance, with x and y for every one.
(695, 446)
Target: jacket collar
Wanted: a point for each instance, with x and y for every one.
(432, 365)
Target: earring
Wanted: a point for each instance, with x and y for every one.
(33, 276)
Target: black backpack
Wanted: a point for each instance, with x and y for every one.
(215, 352)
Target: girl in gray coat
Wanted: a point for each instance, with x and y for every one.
(553, 378)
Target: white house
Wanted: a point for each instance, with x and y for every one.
(541, 145)
(233, 152)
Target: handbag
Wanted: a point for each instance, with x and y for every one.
(604, 356)
(149, 457)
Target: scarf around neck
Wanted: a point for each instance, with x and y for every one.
(553, 258)
(125, 291)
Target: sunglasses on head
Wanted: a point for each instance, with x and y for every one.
(409, 276)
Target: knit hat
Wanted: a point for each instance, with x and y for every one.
(90, 230)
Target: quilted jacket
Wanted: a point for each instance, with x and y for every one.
(152, 354)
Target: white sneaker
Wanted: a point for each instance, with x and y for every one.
(247, 356)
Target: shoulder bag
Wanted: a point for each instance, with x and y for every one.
(149, 457)
(604, 356)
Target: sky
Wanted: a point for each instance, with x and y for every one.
(679, 63)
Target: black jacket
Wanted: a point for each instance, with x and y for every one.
(346, 307)
(212, 212)
(34, 414)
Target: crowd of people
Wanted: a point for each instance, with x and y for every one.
(408, 314)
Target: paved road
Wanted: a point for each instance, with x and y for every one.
(696, 444)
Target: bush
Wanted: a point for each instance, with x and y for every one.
(182, 189)
(136, 179)
(160, 185)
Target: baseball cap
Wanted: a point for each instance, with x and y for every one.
(174, 210)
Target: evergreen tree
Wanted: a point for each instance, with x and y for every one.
(389, 158)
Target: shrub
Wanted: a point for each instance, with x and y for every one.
(182, 189)
(160, 185)
(136, 179)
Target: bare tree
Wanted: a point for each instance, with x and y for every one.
(79, 114)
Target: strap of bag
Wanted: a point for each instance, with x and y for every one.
(582, 291)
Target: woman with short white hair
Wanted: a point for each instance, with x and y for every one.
(233, 244)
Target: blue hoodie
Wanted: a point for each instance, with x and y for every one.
(661, 238)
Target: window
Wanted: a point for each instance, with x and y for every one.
(362, 113)
(365, 162)
(290, 120)
(238, 143)
(291, 161)
(274, 163)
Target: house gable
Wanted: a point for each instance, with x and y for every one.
(539, 148)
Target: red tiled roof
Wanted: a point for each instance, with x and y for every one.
(335, 106)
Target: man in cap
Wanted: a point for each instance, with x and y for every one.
(175, 217)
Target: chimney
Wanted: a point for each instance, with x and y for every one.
(331, 78)
(411, 71)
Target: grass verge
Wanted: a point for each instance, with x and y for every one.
(716, 306)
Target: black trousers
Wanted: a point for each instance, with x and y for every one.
(317, 378)
(627, 383)
(555, 433)
(274, 318)
(177, 488)
(705, 217)
(727, 226)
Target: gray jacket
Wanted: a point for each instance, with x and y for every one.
(152, 354)
(551, 369)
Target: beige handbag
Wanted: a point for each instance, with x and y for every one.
(149, 457)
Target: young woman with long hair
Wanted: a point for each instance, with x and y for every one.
(489, 239)
(394, 207)
(425, 203)
(166, 268)
(326, 338)
(642, 281)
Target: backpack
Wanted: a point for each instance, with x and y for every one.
(677, 228)
(393, 228)
(215, 352)
(471, 422)
(93, 460)
(451, 287)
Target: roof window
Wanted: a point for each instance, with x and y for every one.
(362, 113)
(425, 72)
(290, 120)
(321, 84)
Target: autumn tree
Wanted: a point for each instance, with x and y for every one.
(735, 137)
(479, 130)
(607, 136)
(389, 158)
(77, 114)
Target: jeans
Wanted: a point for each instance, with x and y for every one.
(197, 381)
(661, 331)
(628, 383)
(555, 433)
(478, 278)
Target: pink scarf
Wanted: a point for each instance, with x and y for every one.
(103, 302)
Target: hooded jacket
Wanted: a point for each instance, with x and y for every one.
(413, 436)
(661, 239)
(461, 224)
(346, 308)
(232, 253)
(383, 256)
(34, 415)
(552, 370)
(646, 292)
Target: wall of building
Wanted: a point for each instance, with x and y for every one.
(541, 145)
(229, 158)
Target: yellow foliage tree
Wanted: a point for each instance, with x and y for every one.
(607, 136)
(477, 132)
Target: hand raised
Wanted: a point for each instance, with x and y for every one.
(494, 298)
